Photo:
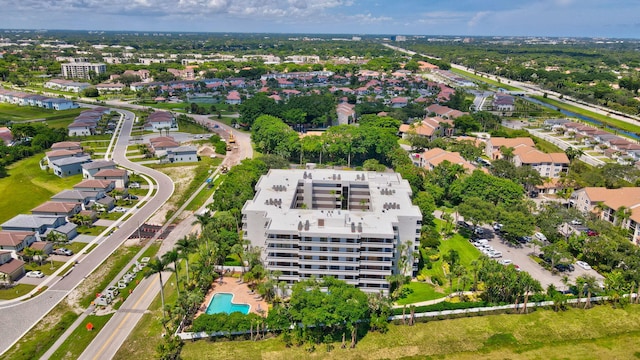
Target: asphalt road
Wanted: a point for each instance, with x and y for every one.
(18, 318)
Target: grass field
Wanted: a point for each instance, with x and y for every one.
(48, 267)
(80, 338)
(484, 80)
(27, 187)
(16, 291)
(21, 113)
(421, 292)
(598, 333)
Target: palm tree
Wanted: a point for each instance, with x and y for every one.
(239, 250)
(185, 247)
(172, 257)
(157, 266)
(590, 284)
(622, 215)
(529, 285)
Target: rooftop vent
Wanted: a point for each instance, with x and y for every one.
(306, 225)
(320, 222)
(359, 227)
(299, 225)
(353, 227)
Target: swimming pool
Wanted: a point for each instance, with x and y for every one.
(221, 303)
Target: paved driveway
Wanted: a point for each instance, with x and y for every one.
(520, 256)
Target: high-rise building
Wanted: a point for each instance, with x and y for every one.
(82, 70)
(360, 227)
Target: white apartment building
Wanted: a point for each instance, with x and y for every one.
(360, 227)
(82, 70)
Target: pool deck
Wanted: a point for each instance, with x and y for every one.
(241, 295)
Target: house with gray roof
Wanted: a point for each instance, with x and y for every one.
(69, 166)
(33, 223)
(89, 169)
(77, 196)
(183, 154)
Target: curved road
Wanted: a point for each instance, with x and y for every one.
(18, 318)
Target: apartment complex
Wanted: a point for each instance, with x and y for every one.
(360, 227)
(82, 70)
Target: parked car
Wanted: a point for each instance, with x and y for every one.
(133, 197)
(134, 185)
(505, 261)
(495, 254)
(583, 265)
(564, 267)
(540, 236)
(576, 222)
(119, 209)
(497, 226)
(35, 274)
(592, 233)
(63, 251)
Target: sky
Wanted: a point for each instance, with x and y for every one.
(575, 18)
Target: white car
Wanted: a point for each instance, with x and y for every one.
(119, 209)
(540, 236)
(505, 262)
(134, 185)
(35, 274)
(583, 265)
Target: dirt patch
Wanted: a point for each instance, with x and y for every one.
(206, 150)
(181, 177)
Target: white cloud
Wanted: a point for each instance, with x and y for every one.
(478, 17)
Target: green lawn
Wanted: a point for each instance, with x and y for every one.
(48, 267)
(76, 246)
(177, 107)
(21, 113)
(602, 118)
(598, 333)
(421, 292)
(191, 128)
(93, 230)
(16, 291)
(484, 80)
(27, 187)
(80, 338)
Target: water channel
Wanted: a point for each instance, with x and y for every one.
(593, 121)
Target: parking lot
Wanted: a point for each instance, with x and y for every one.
(520, 256)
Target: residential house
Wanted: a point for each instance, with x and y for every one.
(183, 154)
(90, 169)
(66, 85)
(16, 240)
(504, 103)
(76, 196)
(45, 246)
(346, 113)
(429, 128)
(444, 111)
(434, 157)
(58, 208)
(619, 206)
(95, 185)
(54, 155)
(492, 148)
(551, 165)
(66, 145)
(233, 98)
(33, 223)
(119, 176)
(160, 120)
(69, 166)
(6, 136)
(11, 269)
(399, 102)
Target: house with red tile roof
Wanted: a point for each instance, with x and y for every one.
(434, 157)
(57, 208)
(10, 268)
(608, 204)
(552, 165)
(493, 145)
(233, 98)
(16, 240)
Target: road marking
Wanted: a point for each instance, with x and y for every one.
(110, 339)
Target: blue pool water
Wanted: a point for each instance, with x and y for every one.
(221, 303)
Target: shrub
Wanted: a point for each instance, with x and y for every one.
(436, 280)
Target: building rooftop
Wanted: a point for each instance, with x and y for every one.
(99, 164)
(381, 197)
(13, 238)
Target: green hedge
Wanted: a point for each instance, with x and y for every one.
(445, 305)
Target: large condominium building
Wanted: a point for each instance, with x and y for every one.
(360, 227)
(82, 70)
